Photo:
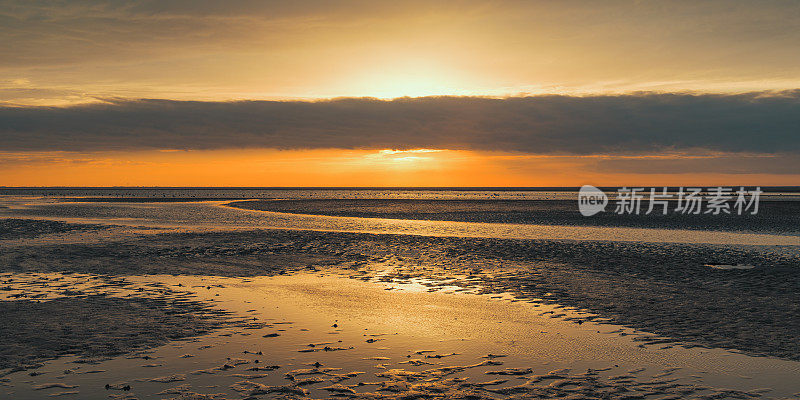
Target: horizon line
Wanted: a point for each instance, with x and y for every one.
(376, 187)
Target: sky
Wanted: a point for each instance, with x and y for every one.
(412, 93)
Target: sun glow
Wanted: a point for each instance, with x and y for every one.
(408, 78)
(406, 159)
(332, 167)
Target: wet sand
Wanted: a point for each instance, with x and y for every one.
(367, 315)
(11, 228)
(773, 216)
(667, 289)
(317, 335)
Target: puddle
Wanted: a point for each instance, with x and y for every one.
(730, 266)
(321, 334)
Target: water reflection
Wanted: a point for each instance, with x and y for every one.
(215, 215)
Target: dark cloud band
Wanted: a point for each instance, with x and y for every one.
(636, 123)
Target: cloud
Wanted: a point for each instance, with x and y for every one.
(778, 164)
(86, 32)
(201, 50)
(611, 124)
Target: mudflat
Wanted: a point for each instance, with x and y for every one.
(130, 309)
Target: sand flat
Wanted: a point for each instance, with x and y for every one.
(465, 326)
(201, 300)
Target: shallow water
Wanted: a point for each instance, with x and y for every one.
(405, 318)
(386, 329)
(784, 193)
(214, 215)
(311, 193)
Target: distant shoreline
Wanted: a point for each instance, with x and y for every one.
(378, 188)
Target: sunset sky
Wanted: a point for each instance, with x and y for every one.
(411, 93)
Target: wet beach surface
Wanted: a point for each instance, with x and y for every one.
(627, 319)
(664, 288)
(773, 216)
(311, 336)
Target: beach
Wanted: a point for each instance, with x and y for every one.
(217, 295)
(400, 200)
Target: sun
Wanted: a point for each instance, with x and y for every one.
(405, 159)
(408, 85)
(406, 78)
